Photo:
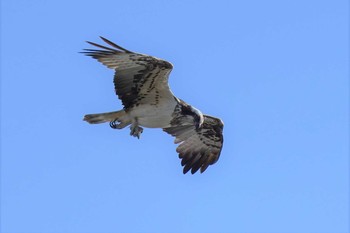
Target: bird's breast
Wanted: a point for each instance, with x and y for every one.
(153, 116)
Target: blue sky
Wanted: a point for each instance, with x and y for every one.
(276, 72)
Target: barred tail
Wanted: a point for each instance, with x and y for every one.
(104, 117)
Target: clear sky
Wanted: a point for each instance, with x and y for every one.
(276, 72)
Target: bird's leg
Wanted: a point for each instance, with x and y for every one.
(135, 129)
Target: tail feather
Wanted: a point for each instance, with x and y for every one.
(104, 117)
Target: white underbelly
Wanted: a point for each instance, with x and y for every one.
(152, 116)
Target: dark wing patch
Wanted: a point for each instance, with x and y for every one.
(138, 78)
(201, 147)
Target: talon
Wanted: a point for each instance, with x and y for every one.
(113, 124)
(117, 124)
(136, 131)
(139, 132)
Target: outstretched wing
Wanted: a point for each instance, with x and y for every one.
(139, 79)
(200, 147)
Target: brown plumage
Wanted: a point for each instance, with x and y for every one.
(141, 83)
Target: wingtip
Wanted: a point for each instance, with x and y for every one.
(193, 171)
(103, 38)
(115, 45)
(203, 168)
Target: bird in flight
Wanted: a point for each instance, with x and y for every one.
(141, 83)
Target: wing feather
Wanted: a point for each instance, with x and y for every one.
(138, 79)
(200, 147)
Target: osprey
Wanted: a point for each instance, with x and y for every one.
(141, 83)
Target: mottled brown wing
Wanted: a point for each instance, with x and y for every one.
(201, 147)
(138, 79)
